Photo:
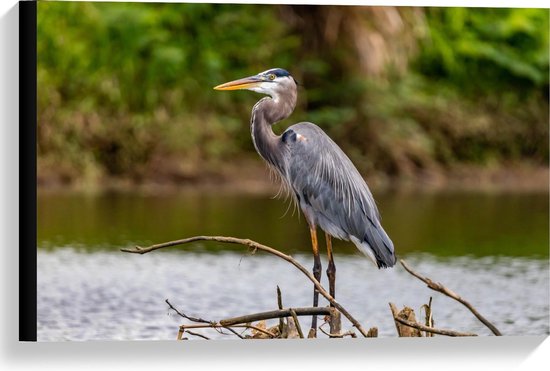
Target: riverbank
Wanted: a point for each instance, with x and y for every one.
(252, 176)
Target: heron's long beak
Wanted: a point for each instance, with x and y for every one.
(246, 83)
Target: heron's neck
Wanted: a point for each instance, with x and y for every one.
(265, 113)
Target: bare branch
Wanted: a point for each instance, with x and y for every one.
(421, 327)
(256, 246)
(442, 289)
(406, 314)
(308, 311)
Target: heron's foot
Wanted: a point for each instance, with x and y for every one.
(312, 333)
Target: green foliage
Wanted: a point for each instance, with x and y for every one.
(125, 89)
(485, 50)
(122, 82)
(488, 69)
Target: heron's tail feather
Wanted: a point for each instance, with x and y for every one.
(377, 245)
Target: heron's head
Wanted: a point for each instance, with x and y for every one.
(273, 82)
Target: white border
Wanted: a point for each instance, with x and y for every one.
(506, 353)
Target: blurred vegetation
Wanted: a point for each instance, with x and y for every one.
(125, 89)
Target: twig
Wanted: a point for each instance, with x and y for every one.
(428, 316)
(338, 335)
(233, 331)
(298, 327)
(280, 305)
(308, 311)
(255, 246)
(197, 334)
(218, 326)
(421, 327)
(199, 320)
(193, 319)
(442, 289)
(257, 329)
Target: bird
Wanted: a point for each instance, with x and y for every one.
(317, 174)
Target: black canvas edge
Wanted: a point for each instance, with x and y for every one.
(27, 171)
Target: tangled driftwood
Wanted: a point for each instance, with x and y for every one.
(405, 320)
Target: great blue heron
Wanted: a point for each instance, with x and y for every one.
(325, 183)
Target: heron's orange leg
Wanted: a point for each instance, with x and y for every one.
(331, 269)
(317, 275)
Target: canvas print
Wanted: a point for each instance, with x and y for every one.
(227, 172)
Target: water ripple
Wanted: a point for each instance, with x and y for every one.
(111, 295)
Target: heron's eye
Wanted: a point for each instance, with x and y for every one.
(271, 76)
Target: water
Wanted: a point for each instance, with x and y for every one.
(492, 249)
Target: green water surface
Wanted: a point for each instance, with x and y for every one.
(441, 224)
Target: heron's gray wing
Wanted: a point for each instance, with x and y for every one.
(332, 193)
